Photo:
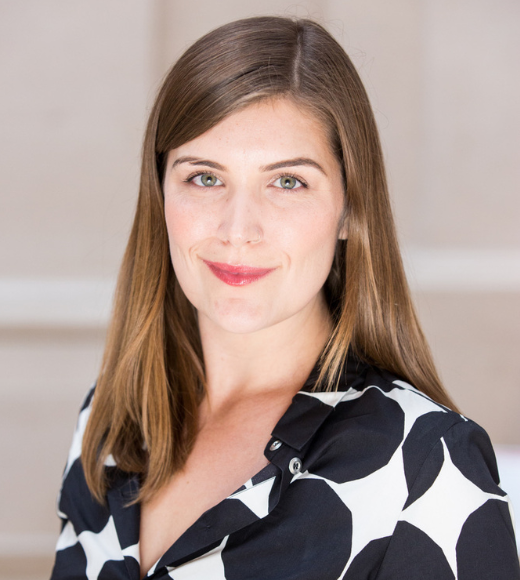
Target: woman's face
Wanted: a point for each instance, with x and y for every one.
(253, 210)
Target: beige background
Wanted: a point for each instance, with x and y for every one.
(78, 77)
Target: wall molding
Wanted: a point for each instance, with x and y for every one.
(462, 270)
(86, 303)
(55, 302)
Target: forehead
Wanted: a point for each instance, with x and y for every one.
(274, 127)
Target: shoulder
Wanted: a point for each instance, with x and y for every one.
(378, 418)
(75, 504)
(74, 490)
(74, 456)
(79, 431)
(420, 481)
(89, 545)
(433, 475)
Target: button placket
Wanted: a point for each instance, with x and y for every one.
(282, 455)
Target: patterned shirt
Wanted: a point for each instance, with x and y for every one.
(372, 482)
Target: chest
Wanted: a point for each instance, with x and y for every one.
(221, 461)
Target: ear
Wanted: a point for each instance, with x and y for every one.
(343, 231)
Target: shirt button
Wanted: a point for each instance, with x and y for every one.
(295, 465)
(275, 445)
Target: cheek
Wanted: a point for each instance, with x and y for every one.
(182, 239)
(311, 245)
(184, 236)
(184, 224)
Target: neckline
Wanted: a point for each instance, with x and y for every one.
(304, 415)
(266, 473)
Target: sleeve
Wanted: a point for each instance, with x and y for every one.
(457, 521)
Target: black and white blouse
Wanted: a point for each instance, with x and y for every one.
(373, 482)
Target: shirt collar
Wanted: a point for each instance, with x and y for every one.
(310, 408)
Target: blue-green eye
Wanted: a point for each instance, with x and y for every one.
(288, 182)
(206, 180)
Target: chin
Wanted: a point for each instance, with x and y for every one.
(239, 318)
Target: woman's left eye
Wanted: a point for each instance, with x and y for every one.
(288, 182)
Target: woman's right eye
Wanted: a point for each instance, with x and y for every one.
(205, 180)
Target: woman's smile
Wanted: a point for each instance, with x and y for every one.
(238, 275)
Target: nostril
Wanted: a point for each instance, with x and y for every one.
(237, 239)
(256, 240)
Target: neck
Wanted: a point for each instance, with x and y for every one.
(277, 359)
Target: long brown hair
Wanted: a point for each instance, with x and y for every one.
(152, 378)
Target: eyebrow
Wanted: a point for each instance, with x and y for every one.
(271, 167)
(197, 161)
(293, 163)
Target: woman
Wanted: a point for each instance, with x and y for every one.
(254, 415)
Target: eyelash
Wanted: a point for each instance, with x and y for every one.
(191, 177)
(304, 184)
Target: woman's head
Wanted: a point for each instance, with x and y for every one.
(152, 379)
(262, 59)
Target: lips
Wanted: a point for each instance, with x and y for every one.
(238, 275)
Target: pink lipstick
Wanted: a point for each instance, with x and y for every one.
(237, 275)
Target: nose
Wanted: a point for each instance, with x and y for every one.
(240, 221)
